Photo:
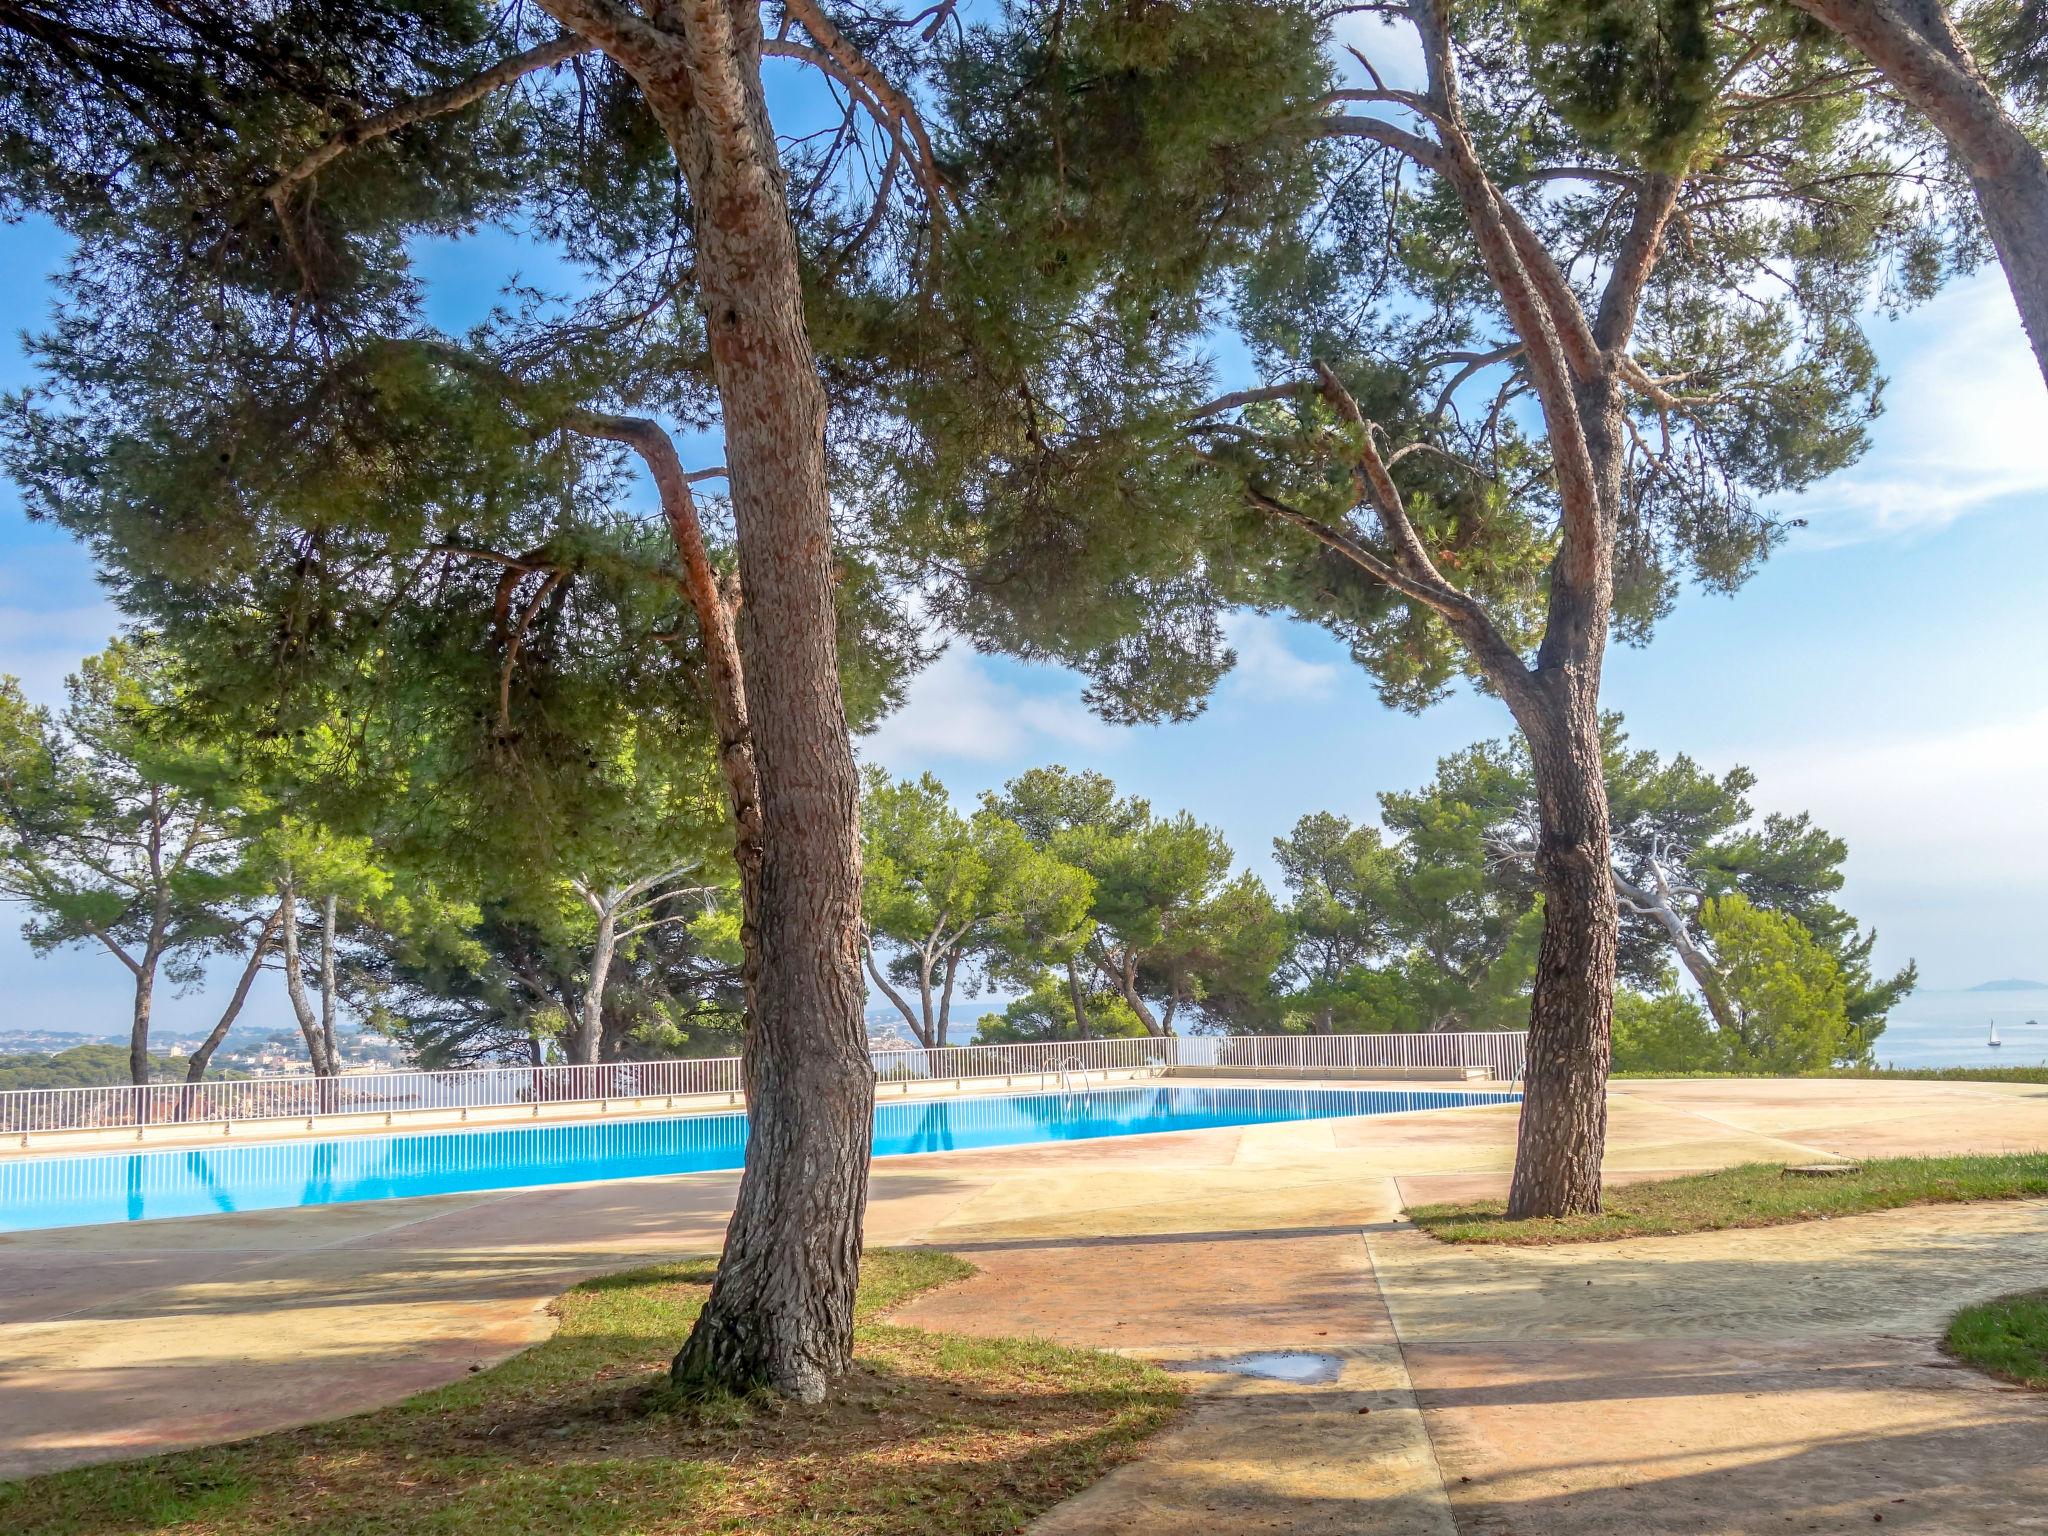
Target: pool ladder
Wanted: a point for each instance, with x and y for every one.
(1073, 1064)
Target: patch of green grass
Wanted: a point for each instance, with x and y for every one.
(1949, 1074)
(1898, 1074)
(581, 1436)
(2007, 1337)
(1752, 1195)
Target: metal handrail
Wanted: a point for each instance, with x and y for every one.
(303, 1097)
(1072, 1064)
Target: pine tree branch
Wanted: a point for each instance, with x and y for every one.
(853, 66)
(1567, 316)
(1530, 310)
(1241, 397)
(867, 949)
(1408, 99)
(419, 108)
(1496, 658)
(1342, 126)
(1634, 262)
(714, 603)
(617, 28)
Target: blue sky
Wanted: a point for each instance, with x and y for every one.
(1887, 671)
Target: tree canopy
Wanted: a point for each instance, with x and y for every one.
(283, 463)
(958, 899)
(1536, 339)
(1174, 934)
(120, 830)
(1539, 344)
(1432, 923)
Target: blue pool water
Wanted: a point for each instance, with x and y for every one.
(41, 1192)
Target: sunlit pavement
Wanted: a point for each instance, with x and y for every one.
(1776, 1380)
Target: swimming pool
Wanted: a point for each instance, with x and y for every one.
(43, 1192)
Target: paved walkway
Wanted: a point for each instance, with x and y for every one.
(1777, 1380)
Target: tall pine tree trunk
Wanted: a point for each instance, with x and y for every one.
(1082, 1029)
(1916, 47)
(590, 1010)
(1562, 1134)
(2014, 204)
(295, 985)
(1563, 1128)
(780, 1312)
(946, 996)
(329, 908)
(138, 1022)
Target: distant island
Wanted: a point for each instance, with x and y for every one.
(2010, 986)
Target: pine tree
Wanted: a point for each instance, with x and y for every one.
(1530, 359)
(292, 472)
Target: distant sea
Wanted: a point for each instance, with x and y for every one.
(1949, 1029)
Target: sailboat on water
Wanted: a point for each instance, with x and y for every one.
(1993, 1041)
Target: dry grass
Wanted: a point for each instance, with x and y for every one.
(1752, 1195)
(581, 1436)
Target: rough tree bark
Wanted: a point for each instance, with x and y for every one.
(1563, 1127)
(781, 1309)
(1915, 46)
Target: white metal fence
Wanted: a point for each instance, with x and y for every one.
(1501, 1054)
(24, 1111)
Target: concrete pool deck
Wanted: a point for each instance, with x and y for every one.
(1771, 1380)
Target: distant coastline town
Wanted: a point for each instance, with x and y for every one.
(57, 1058)
(60, 1058)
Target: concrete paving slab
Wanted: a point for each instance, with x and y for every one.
(1242, 1291)
(1898, 1271)
(1718, 1437)
(1267, 1457)
(34, 1289)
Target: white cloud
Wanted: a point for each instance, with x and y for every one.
(958, 708)
(1267, 665)
(1965, 417)
(1956, 812)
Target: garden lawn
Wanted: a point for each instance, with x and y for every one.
(582, 1436)
(2007, 1337)
(1752, 1195)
